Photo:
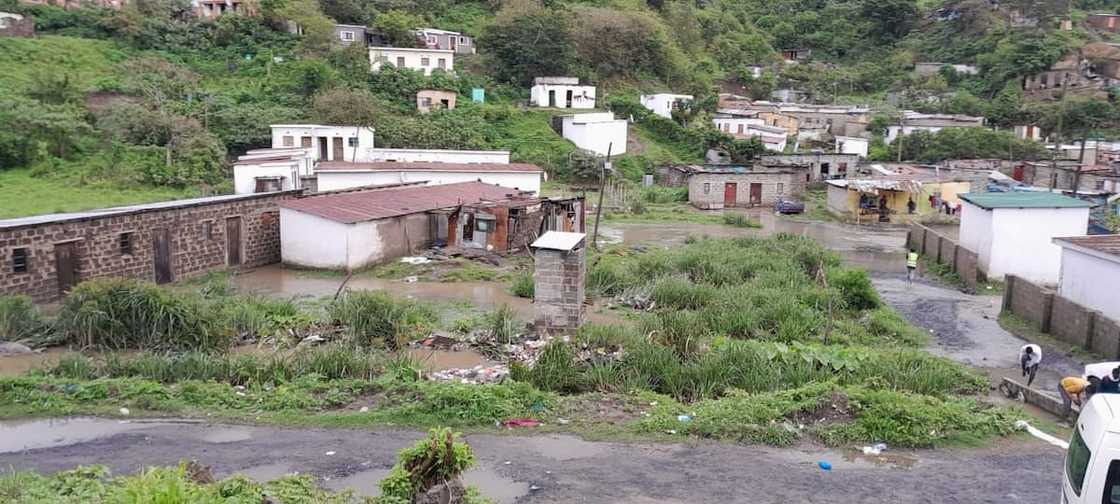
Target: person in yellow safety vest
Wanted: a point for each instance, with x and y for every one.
(911, 265)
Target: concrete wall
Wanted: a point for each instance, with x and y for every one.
(596, 132)
(663, 104)
(1090, 281)
(944, 251)
(1061, 317)
(558, 296)
(197, 242)
(706, 190)
(397, 237)
(330, 180)
(310, 135)
(821, 166)
(1022, 241)
(245, 176)
(424, 60)
(583, 97)
(439, 155)
(310, 241)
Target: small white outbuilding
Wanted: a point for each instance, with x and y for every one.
(561, 92)
(598, 132)
(1090, 273)
(663, 104)
(1012, 232)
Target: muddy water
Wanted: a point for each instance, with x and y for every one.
(439, 360)
(852, 458)
(21, 435)
(497, 488)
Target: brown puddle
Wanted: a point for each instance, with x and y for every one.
(497, 488)
(851, 458)
(439, 360)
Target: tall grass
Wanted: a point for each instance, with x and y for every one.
(20, 320)
(661, 194)
(740, 220)
(501, 325)
(376, 319)
(117, 313)
(523, 286)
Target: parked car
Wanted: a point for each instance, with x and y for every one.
(789, 206)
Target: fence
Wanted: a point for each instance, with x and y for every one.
(1062, 318)
(944, 250)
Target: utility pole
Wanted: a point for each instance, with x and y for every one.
(599, 207)
(1077, 169)
(901, 133)
(1058, 143)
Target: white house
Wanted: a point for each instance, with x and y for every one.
(916, 121)
(561, 92)
(328, 143)
(439, 155)
(736, 124)
(597, 132)
(1028, 132)
(1012, 232)
(663, 104)
(1090, 273)
(266, 170)
(425, 60)
(852, 145)
(334, 175)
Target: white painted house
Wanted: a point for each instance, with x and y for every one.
(1012, 232)
(333, 175)
(439, 155)
(597, 132)
(663, 104)
(327, 143)
(561, 92)
(1090, 274)
(425, 60)
(747, 125)
(267, 170)
(852, 145)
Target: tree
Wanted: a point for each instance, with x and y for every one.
(523, 44)
(625, 44)
(889, 20)
(345, 106)
(398, 27)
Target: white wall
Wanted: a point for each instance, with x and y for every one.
(1090, 281)
(439, 155)
(293, 133)
(363, 245)
(245, 175)
(852, 145)
(596, 132)
(732, 125)
(334, 179)
(662, 103)
(1021, 241)
(583, 97)
(310, 241)
(414, 59)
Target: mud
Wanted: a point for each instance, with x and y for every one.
(696, 472)
(440, 360)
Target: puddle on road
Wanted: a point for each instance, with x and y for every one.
(49, 433)
(564, 447)
(226, 435)
(852, 458)
(363, 483)
(497, 488)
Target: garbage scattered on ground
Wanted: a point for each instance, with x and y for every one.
(824, 465)
(563, 421)
(411, 279)
(124, 411)
(364, 409)
(684, 418)
(472, 376)
(534, 488)
(875, 449)
(508, 462)
(415, 260)
(520, 422)
(671, 431)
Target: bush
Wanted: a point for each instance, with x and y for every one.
(20, 320)
(117, 313)
(555, 370)
(660, 194)
(855, 289)
(431, 461)
(523, 286)
(740, 220)
(376, 319)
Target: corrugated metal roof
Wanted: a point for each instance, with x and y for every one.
(427, 166)
(131, 209)
(362, 206)
(1018, 199)
(559, 240)
(1108, 244)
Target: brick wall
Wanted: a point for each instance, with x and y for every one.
(1106, 337)
(946, 254)
(967, 266)
(945, 251)
(1066, 320)
(97, 240)
(791, 185)
(1029, 301)
(1071, 322)
(558, 296)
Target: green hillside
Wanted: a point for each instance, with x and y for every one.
(151, 103)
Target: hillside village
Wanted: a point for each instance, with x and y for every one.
(463, 252)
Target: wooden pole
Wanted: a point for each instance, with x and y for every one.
(599, 207)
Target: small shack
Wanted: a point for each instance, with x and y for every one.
(558, 280)
(889, 198)
(724, 186)
(1012, 232)
(428, 100)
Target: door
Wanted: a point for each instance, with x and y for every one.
(233, 241)
(337, 144)
(825, 170)
(568, 99)
(730, 189)
(322, 148)
(552, 98)
(451, 42)
(1017, 174)
(66, 265)
(161, 255)
(756, 194)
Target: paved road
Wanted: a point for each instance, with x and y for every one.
(566, 469)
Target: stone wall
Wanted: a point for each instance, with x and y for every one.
(558, 296)
(1064, 319)
(943, 250)
(197, 242)
(774, 184)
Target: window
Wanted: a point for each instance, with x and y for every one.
(432, 40)
(781, 188)
(463, 40)
(425, 61)
(125, 242)
(352, 141)
(347, 36)
(484, 225)
(740, 131)
(442, 63)
(425, 102)
(1112, 483)
(707, 188)
(289, 141)
(400, 61)
(206, 230)
(19, 260)
(1077, 462)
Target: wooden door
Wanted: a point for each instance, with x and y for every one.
(233, 241)
(730, 191)
(338, 153)
(552, 98)
(66, 265)
(323, 148)
(1017, 173)
(756, 194)
(161, 255)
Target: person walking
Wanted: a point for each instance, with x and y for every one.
(911, 264)
(1030, 356)
(1072, 390)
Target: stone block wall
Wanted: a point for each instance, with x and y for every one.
(792, 185)
(967, 266)
(1065, 319)
(945, 251)
(1106, 337)
(559, 293)
(1071, 322)
(197, 233)
(1028, 301)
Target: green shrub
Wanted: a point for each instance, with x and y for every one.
(501, 325)
(20, 320)
(117, 313)
(555, 370)
(855, 288)
(376, 319)
(740, 220)
(429, 462)
(661, 194)
(523, 285)
(681, 293)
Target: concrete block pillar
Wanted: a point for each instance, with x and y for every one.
(558, 282)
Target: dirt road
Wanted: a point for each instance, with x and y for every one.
(560, 468)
